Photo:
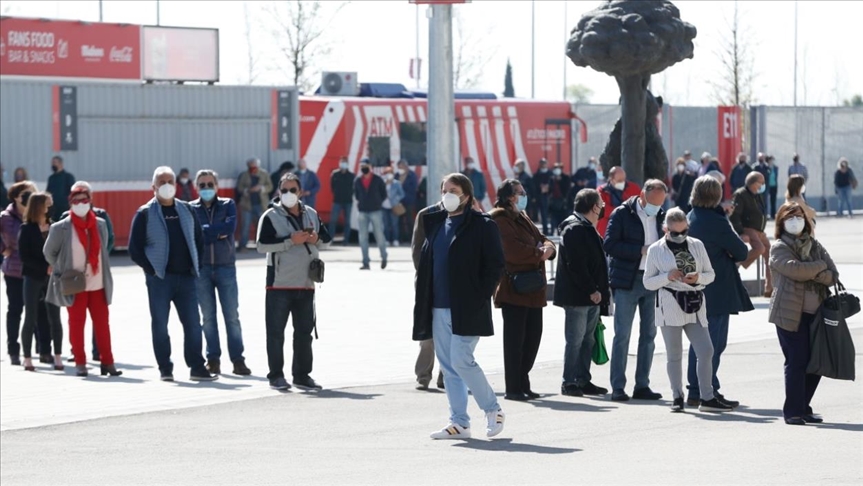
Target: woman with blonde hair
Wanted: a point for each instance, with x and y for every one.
(794, 194)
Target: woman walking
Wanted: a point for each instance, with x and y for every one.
(525, 251)
(460, 266)
(804, 273)
(80, 242)
(11, 219)
(678, 266)
(844, 182)
(36, 270)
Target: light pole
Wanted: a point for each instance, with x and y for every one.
(565, 60)
(532, 47)
(441, 106)
(158, 19)
(100, 10)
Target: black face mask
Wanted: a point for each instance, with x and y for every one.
(601, 212)
(54, 168)
(365, 170)
(24, 198)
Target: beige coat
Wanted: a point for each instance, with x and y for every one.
(789, 278)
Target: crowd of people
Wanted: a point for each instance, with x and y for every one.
(621, 245)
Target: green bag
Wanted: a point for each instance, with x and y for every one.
(600, 355)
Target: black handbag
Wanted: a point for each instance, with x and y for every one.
(527, 282)
(690, 301)
(840, 305)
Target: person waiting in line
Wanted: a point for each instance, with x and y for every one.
(460, 266)
(390, 206)
(708, 163)
(424, 366)
(559, 186)
(525, 250)
(519, 169)
(477, 178)
(166, 242)
(739, 172)
(310, 182)
(804, 273)
(633, 227)
(185, 186)
(726, 295)
(218, 218)
(749, 222)
(798, 168)
(585, 177)
(541, 193)
(80, 242)
(20, 175)
(289, 235)
(844, 182)
(772, 179)
(678, 268)
(253, 185)
(370, 192)
(36, 272)
(581, 288)
(408, 179)
(276, 176)
(59, 185)
(794, 190)
(614, 193)
(342, 186)
(11, 219)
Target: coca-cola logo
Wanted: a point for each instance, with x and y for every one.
(120, 54)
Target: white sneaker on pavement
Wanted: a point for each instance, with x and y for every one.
(452, 431)
(495, 423)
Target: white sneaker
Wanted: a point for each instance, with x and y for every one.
(495, 423)
(452, 431)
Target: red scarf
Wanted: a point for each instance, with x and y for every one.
(84, 226)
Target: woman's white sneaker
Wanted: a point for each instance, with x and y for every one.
(452, 431)
(495, 423)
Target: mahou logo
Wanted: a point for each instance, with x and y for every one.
(120, 54)
(92, 51)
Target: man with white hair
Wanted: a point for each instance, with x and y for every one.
(253, 189)
(166, 241)
(708, 163)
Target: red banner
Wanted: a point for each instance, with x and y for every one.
(59, 48)
(180, 54)
(730, 137)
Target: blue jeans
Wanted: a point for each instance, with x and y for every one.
(224, 279)
(460, 372)
(182, 291)
(578, 331)
(717, 326)
(248, 216)
(334, 218)
(844, 194)
(625, 303)
(391, 226)
(377, 220)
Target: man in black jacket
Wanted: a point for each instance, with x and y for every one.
(371, 192)
(342, 186)
(581, 288)
(633, 227)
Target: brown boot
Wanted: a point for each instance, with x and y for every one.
(214, 366)
(241, 369)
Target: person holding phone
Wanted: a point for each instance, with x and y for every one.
(679, 269)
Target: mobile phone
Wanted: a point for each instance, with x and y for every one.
(309, 230)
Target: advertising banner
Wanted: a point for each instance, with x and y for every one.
(180, 54)
(60, 48)
(65, 117)
(730, 141)
(282, 137)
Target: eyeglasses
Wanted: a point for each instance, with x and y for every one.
(207, 185)
(292, 190)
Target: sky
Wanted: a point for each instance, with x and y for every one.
(377, 39)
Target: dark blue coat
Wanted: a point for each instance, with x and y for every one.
(726, 295)
(624, 239)
(218, 223)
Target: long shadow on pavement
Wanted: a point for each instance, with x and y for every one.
(209, 384)
(568, 406)
(343, 394)
(507, 445)
(131, 367)
(848, 427)
(115, 379)
(732, 417)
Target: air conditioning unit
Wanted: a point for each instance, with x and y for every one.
(339, 84)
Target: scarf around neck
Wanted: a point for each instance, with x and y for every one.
(83, 228)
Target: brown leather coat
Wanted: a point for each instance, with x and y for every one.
(521, 250)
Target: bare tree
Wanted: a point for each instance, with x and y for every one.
(578, 93)
(735, 80)
(251, 54)
(299, 28)
(471, 55)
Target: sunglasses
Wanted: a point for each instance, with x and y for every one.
(292, 190)
(678, 233)
(207, 185)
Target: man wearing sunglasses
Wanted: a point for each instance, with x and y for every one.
(218, 218)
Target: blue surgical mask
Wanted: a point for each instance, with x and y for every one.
(762, 189)
(651, 209)
(521, 204)
(208, 194)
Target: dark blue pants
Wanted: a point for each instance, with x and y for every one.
(799, 385)
(280, 304)
(717, 326)
(182, 291)
(14, 310)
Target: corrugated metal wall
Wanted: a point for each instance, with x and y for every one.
(125, 131)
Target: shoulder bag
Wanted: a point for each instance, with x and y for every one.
(690, 301)
(527, 282)
(316, 266)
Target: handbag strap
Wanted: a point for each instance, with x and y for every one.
(294, 224)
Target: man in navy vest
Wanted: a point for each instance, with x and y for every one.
(165, 241)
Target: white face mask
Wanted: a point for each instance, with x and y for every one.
(343, 165)
(591, 166)
(681, 168)
(794, 225)
(402, 171)
(390, 177)
(81, 209)
(289, 199)
(451, 202)
(184, 180)
(167, 191)
(471, 166)
(558, 172)
(620, 185)
(516, 170)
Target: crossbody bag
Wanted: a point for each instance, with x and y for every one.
(316, 266)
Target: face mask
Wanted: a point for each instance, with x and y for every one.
(794, 225)
(601, 213)
(620, 185)
(54, 168)
(681, 168)
(289, 199)
(677, 237)
(402, 171)
(761, 189)
(543, 170)
(390, 177)
(208, 194)
(471, 166)
(521, 203)
(451, 202)
(651, 209)
(516, 169)
(343, 165)
(167, 191)
(184, 180)
(24, 198)
(365, 170)
(557, 172)
(81, 210)
(301, 171)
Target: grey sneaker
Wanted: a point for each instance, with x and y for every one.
(280, 384)
(202, 375)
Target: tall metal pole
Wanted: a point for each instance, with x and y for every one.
(417, 67)
(795, 54)
(532, 46)
(158, 16)
(565, 60)
(100, 10)
(441, 107)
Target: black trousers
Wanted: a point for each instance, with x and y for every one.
(799, 385)
(38, 312)
(522, 332)
(280, 305)
(14, 310)
(772, 205)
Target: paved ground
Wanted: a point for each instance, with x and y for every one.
(366, 355)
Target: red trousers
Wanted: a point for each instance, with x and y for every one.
(97, 304)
